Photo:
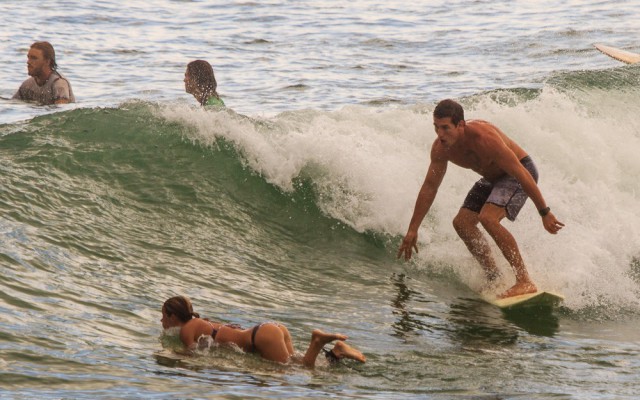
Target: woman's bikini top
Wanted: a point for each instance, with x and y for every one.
(214, 331)
(253, 348)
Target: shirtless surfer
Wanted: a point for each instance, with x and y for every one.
(509, 177)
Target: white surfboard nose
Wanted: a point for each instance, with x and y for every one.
(618, 54)
(540, 298)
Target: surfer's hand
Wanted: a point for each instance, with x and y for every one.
(551, 224)
(408, 244)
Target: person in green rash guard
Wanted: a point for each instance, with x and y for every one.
(200, 81)
(215, 101)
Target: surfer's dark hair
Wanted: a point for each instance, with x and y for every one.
(181, 307)
(449, 108)
(47, 52)
(202, 74)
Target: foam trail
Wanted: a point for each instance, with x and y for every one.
(367, 166)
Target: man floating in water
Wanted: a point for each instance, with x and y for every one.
(45, 86)
(509, 177)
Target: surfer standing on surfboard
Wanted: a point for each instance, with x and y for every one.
(509, 177)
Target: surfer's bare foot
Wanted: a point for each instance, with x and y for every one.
(321, 338)
(343, 350)
(318, 340)
(518, 289)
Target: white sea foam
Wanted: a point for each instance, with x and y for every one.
(367, 166)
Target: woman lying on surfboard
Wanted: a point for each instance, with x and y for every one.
(269, 340)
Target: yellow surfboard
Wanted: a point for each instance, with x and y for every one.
(537, 299)
(619, 54)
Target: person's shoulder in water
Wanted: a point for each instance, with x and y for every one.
(214, 101)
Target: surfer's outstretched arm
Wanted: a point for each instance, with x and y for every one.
(426, 196)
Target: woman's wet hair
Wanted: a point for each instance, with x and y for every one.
(181, 307)
(47, 52)
(449, 108)
(201, 73)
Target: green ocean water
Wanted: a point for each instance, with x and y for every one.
(290, 205)
(106, 212)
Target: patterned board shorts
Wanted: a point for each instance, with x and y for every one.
(505, 192)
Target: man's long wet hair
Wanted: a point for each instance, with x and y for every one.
(47, 52)
(181, 307)
(202, 74)
(449, 108)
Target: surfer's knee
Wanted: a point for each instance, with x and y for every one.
(490, 217)
(464, 221)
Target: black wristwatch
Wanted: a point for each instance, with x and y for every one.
(544, 211)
